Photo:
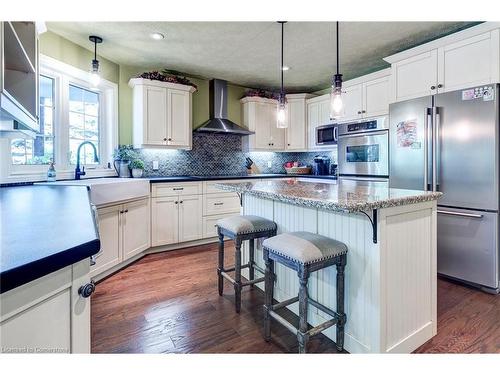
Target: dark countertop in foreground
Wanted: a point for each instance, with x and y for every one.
(345, 196)
(233, 177)
(43, 229)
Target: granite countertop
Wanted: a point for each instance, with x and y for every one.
(43, 229)
(233, 177)
(345, 196)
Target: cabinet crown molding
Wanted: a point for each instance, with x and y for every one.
(148, 82)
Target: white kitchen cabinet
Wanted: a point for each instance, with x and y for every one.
(190, 218)
(136, 227)
(415, 77)
(19, 75)
(109, 234)
(176, 216)
(47, 315)
(161, 114)
(376, 97)
(164, 221)
(124, 231)
(259, 116)
(470, 62)
(352, 97)
(296, 132)
(464, 59)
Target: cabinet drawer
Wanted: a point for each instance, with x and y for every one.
(215, 204)
(209, 225)
(209, 186)
(169, 189)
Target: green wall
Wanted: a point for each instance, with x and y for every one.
(70, 53)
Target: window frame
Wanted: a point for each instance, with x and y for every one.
(64, 75)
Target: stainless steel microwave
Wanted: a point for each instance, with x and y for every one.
(327, 134)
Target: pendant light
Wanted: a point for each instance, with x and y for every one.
(94, 73)
(281, 108)
(336, 103)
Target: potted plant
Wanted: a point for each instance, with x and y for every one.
(137, 167)
(122, 157)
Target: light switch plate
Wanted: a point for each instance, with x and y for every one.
(155, 165)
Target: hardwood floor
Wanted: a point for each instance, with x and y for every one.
(168, 303)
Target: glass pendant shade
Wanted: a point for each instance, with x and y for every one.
(281, 121)
(336, 104)
(95, 79)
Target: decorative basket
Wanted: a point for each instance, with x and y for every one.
(298, 170)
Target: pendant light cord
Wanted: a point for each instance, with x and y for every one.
(95, 49)
(282, 43)
(338, 63)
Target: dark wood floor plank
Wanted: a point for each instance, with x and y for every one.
(168, 303)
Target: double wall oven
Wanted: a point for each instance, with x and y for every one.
(363, 150)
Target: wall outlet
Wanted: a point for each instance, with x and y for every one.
(269, 164)
(155, 165)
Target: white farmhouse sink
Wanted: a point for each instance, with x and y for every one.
(110, 190)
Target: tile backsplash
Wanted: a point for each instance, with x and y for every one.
(219, 154)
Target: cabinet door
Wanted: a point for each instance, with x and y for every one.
(110, 236)
(179, 118)
(353, 102)
(376, 97)
(164, 221)
(156, 115)
(190, 218)
(470, 62)
(135, 226)
(324, 111)
(277, 135)
(414, 77)
(312, 123)
(296, 133)
(262, 126)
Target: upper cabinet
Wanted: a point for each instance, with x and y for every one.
(259, 116)
(296, 132)
(19, 76)
(464, 59)
(161, 114)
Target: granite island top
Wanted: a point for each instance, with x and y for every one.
(43, 229)
(345, 196)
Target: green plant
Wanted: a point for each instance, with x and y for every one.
(136, 164)
(125, 153)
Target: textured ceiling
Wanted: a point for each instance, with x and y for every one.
(247, 53)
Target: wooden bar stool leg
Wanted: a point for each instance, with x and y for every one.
(251, 270)
(220, 268)
(340, 303)
(268, 296)
(302, 335)
(237, 274)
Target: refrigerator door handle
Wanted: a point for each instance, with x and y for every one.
(437, 139)
(461, 214)
(426, 149)
(434, 145)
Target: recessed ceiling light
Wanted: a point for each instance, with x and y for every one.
(157, 36)
(285, 68)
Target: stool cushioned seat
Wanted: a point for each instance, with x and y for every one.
(305, 247)
(244, 224)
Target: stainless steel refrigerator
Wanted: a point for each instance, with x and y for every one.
(450, 143)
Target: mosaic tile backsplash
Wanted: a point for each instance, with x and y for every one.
(219, 154)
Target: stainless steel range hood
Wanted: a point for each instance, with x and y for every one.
(218, 122)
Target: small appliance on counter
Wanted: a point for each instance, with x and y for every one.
(321, 166)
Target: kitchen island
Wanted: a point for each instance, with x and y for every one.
(391, 265)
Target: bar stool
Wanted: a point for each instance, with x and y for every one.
(241, 228)
(305, 253)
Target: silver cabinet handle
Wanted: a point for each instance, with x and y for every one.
(176, 189)
(426, 149)
(461, 214)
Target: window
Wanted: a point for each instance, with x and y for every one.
(72, 111)
(41, 149)
(83, 123)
